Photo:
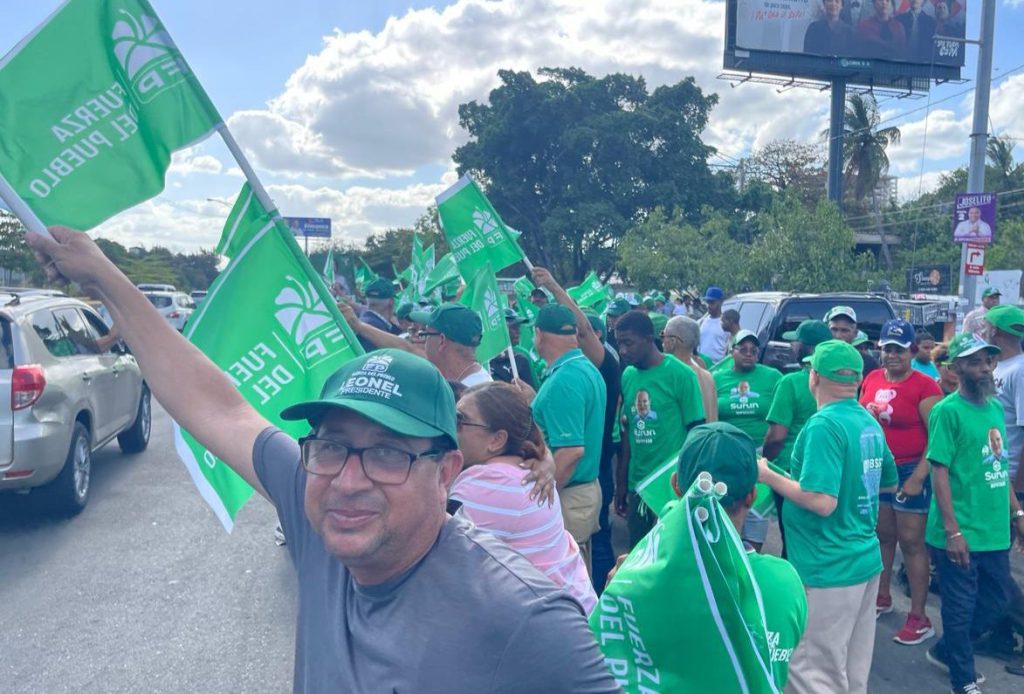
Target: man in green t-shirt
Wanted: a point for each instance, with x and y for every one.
(973, 506)
(746, 388)
(840, 464)
(729, 456)
(661, 401)
(569, 409)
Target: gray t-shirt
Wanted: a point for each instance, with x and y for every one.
(1009, 377)
(471, 616)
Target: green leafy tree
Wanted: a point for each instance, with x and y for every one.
(573, 161)
(789, 166)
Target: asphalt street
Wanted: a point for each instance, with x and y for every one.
(145, 592)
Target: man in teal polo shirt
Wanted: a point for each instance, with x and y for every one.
(840, 464)
(570, 409)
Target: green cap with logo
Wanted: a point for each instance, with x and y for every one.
(745, 335)
(596, 323)
(991, 291)
(404, 309)
(659, 320)
(456, 322)
(724, 452)
(860, 339)
(966, 344)
(810, 332)
(398, 390)
(841, 312)
(837, 361)
(380, 288)
(1009, 319)
(557, 319)
(619, 307)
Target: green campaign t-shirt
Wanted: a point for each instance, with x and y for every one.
(791, 407)
(970, 440)
(724, 365)
(840, 452)
(744, 398)
(785, 609)
(569, 408)
(659, 405)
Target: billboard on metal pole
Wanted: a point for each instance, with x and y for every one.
(974, 218)
(319, 227)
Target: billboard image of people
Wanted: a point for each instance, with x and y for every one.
(974, 217)
(894, 30)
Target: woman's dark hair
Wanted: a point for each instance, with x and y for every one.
(503, 407)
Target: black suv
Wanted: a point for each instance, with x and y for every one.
(770, 314)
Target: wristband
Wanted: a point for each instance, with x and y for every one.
(957, 534)
(1019, 513)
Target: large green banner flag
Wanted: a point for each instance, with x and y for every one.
(481, 295)
(270, 324)
(475, 232)
(92, 104)
(589, 293)
(684, 612)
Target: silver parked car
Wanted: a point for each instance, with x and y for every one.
(175, 307)
(67, 387)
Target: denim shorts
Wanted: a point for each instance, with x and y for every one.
(909, 504)
(755, 528)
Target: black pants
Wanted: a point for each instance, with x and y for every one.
(602, 556)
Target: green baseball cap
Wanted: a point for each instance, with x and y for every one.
(512, 317)
(660, 320)
(380, 288)
(557, 319)
(991, 291)
(723, 451)
(648, 303)
(398, 390)
(860, 339)
(841, 311)
(810, 332)
(619, 307)
(745, 335)
(837, 361)
(456, 322)
(966, 344)
(1009, 319)
(403, 310)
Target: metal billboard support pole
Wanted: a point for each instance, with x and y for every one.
(979, 133)
(835, 141)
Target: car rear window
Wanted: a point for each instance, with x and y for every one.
(6, 345)
(870, 314)
(53, 335)
(159, 300)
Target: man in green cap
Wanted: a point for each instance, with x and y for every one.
(362, 502)
(793, 403)
(842, 323)
(661, 402)
(840, 464)
(616, 310)
(972, 510)
(570, 410)
(729, 456)
(974, 321)
(379, 311)
(501, 369)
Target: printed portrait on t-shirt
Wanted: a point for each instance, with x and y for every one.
(995, 443)
(742, 392)
(642, 407)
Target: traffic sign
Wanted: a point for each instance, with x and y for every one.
(974, 263)
(310, 226)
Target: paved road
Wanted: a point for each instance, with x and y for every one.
(144, 592)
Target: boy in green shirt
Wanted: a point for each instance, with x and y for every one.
(840, 464)
(973, 506)
(661, 401)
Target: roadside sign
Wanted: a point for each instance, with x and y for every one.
(974, 218)
(928, 279)
(975, 261)
(310, 226)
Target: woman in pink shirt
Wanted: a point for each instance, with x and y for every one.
(494, 421)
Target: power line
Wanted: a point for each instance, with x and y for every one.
(898, 222)
(916, 208)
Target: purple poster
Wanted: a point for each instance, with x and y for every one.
(974, 218)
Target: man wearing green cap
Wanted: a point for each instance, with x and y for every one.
(974, 321)
(729, 456)
(972, 510)
(391, 588)
(570, 410)
(840, 464)
(379, 311)
(501, 369)
(616, 310)
(661, 402)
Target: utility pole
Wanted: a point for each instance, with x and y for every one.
(835, 141)
(979, 133)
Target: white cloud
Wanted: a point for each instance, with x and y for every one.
(189, 161)
(939, 137)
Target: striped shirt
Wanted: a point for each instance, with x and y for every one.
(494, 498)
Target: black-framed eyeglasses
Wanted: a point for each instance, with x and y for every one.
(381, 464)
(460, 420)
(427, 333)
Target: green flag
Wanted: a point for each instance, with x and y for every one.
(525, 308)
(364, 275)
(92, 104)
(475, 232)
(247, 216)
(684, 612)
(329, 268)
(422, 262)
(589, 293)
(481, 295)
(443, 272)
(270, 324)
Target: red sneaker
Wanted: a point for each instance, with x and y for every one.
(916, 630)
(883, 605)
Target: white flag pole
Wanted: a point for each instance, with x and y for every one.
(250, 175)
(512, 362)
(21, 209)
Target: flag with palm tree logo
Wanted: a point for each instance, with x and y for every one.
(475, 233)
(481, 295)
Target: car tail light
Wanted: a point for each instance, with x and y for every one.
(174, 314)
(27, 383)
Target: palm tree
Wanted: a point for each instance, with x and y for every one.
(999, 152)
(864, 158)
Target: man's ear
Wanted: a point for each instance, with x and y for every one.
(450, 467)
(748, 502)
(675, 484)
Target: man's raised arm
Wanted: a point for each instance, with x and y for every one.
(193, 390)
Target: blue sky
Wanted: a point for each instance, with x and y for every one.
(348, 109)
